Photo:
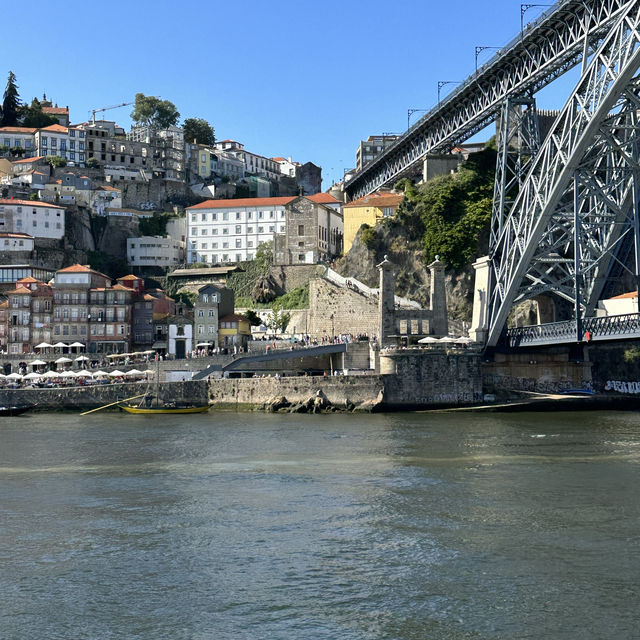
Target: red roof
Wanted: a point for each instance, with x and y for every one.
(27, 159)
(630, 294)
(129, 277)
(31, 203)
(323, 198)
(56, 110)
(55, 128)
(16, 235)
(377, 200)
(279, 159)
(29, 279)
(81, 268)
(18, 129)
(242, 202)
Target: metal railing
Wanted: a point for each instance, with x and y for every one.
(593, 330)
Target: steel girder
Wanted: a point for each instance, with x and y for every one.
(532, 60)
(579, 149)
(518, 142)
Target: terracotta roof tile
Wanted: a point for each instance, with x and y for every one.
(25, 160)
(377, 200)
(628, 295)
(56, 110)
(17, 130)
(323, 198)
(31, 203)
(55, 128)
(243, 202)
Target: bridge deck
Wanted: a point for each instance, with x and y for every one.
(606, 328)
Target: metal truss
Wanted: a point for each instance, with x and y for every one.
(546, 50)
(518, 142)
(568, 210)
(620, 327)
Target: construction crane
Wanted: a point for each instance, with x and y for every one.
(115, 106)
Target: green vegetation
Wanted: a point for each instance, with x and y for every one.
(108, 264)
(367, 235)
(632, 354)
(153, 112)
(10, 112)
(187, 297)
(296, 299)
(278, 320)
(34, 196)
(93, 163)
(198, 129)
(449, 214)
(33, 116)
(243, 282)
(253, 318)
(156, 225)
(56, 161)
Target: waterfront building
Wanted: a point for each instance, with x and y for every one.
(4, 308)
(214, 302)
(155, 251)
(368, 210)
(28, 315)
(38, 219)
(11, 273)
(234, 331)
(16, 242)
(150, 311)
(179, 340)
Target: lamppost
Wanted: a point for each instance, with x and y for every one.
(442, 83)
(410, 112)
(524, 8)
(479, 50)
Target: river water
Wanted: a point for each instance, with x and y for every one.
(253, 526)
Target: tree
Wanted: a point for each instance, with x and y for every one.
(153, 112)
(93, 163)
(253, 318)
(34, 196)
(279, 320)
(10, 103)
(199, 130)
(56, 161)
(33, 116)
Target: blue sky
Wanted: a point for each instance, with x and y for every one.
(302, 79)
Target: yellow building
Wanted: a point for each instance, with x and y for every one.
(234, 330)
(368, 210)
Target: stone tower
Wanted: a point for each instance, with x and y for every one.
(439, 318)
(386, 303)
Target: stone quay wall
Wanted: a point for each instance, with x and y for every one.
(89, 397)
(539, 372)
(237, 393)
(417, 378)
(334, 310)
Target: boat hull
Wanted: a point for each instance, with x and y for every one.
(13, 411)
(156, 410)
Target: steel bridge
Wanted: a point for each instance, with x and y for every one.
(566, 209)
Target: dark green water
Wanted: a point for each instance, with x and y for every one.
(379, 527)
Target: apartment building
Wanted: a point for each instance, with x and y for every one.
(230, 231)
(214, 302)
(38, 219)
(254, 164)
(372, 147)
(368, 210)
(66, 142)
(21, 137)
(155, 251)
(28, 315)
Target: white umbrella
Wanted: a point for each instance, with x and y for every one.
(32, 376)
(51, 374)
(63, 360)
(116, 374)
(59, 344)
(44, 345)
(464, 340)
(83, 374)
(81, 358)
(14, 376)
(68, 374)
(134, 372)
(76, 344)
(428, 340)
(37, 363)
(2, 375)
(149, 372)
(98, 374)
(447, 339)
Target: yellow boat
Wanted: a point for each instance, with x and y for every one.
(164, 409)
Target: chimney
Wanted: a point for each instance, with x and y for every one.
(300, 191)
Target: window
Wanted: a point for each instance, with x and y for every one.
(250, 230)
(203, 232)
(212, 313)
(238, 257)
(238, 229)
(225, 215)
(260, 229)
(203, 245)
(300, 229)
(238, 215)
(238, 243)
(301, 257)
(203, 217)
(200, 313)
(193, 217)
(225, 231)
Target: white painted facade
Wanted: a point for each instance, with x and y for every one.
(10, 242)
(181, 332)
(66, 142)
(38, 219)
(233, 233)
(154, 251)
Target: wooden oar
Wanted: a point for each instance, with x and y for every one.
(112, 403)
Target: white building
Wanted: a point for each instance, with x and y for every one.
(11, 242)
(38, 219)
(253, 163)
(154, 251)
(19, 137)
(618, 305)
(230, 231)
(223, 231)
(66, 142)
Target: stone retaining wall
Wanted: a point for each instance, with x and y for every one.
(84, 398)
(339, 390)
